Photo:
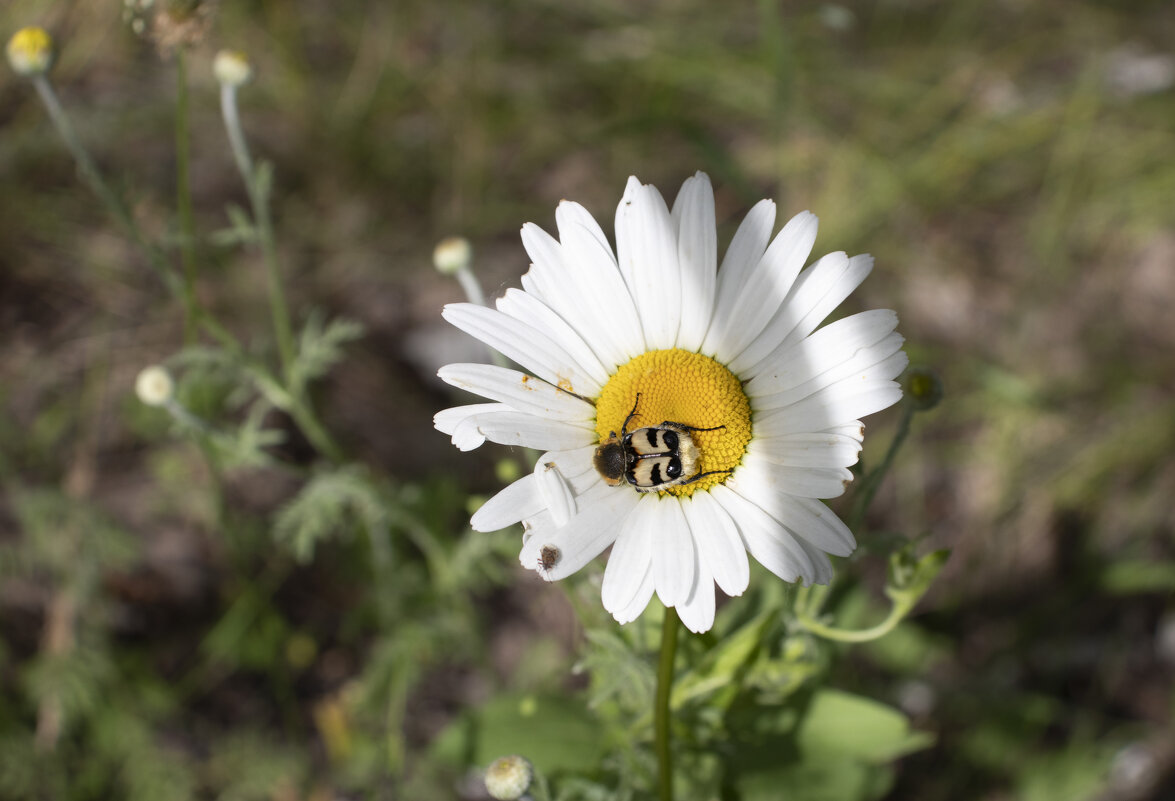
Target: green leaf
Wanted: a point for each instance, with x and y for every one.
(840, 725)
(554, 732)
(320, 347)
(1137, 576)
(834, 780)
(331, 502)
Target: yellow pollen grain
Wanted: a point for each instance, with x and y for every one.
(686, 388)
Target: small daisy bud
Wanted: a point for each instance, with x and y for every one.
(154, 386)
(452, 255)
(924, 387)
(232, 68)
(30, 51)
(508, 778)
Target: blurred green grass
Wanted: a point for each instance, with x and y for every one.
(1015, 191)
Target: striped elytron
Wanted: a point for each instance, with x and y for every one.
(651, 458)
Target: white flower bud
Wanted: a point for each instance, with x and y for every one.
(30, 51)
(452, 255)
(232, 68)
(154, 386)
(508, 778)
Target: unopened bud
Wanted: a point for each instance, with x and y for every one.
(508, 778)
(154, 386)
(452, 255)
(30, 51)
(923, 386)
(232, 68)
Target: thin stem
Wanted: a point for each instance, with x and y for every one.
(183, 191)
(118, 209)
(98, 184)
(669, 629)
(258, 199)
(897, 612)
(872, 481)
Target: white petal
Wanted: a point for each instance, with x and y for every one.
(777, 494)
(530, 310)
(630, 560)
(760, 297)
(644, 594)
(818, 293)
(827, 408)
(446, 420)
(525, 344)
(519, 391)
(646, 247)
(745, 251)
(853, 430)
(555, 491)
(560, 284)
(602, 512)
(575, 466)
(516, 501)
(765, 539)
(718, 542)
(452, 422)
(596, 286)
(755, 472)
(697, 611)
(675, 554)
(880, 362)
(526, 430)
(869, 335)
(791, 310)
(821, 565)
(810, 450)
(697, 255)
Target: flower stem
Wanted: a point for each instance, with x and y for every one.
(872, 481)
(259, 200)
(669, 629)
(901, 607)
(183, 192)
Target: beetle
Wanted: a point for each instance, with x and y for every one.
(651, 458)
(548, 558)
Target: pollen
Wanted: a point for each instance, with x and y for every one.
(687, 388)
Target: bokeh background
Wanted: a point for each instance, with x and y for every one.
(1009, 164)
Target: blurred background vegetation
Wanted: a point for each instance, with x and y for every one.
(1009, 164)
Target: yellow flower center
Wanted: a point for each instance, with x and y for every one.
(685, 388)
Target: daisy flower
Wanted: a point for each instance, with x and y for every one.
(690, 413)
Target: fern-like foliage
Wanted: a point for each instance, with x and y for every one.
(320, 347)
(335, 501)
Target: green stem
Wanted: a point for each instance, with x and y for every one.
(669, 629)
(99, 186)
(901, 607)
(259, 201)
(871, 482)
(183, 191)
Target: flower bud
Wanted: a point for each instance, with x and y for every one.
(508, 778)
(30, 51)
(232, 68)
(923, 386)
(452, 255)
(154, 386)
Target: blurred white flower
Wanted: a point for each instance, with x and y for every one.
(508, 778)
(452, 254)
(732, 414)
(154, 386)
(231, 68)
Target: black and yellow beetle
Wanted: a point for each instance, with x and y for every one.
(651, 458)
